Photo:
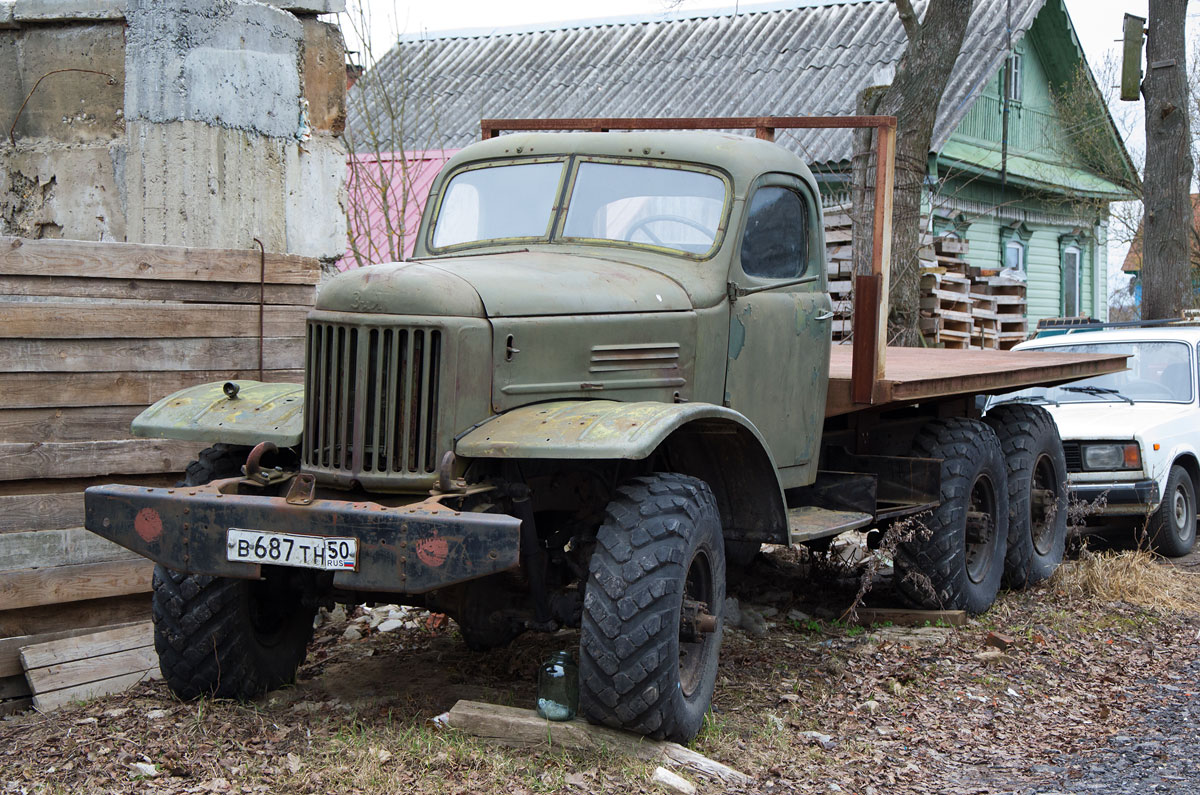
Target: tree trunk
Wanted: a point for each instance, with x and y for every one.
(1166, 269)
(913, 98)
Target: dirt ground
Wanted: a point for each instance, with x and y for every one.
(814, 705)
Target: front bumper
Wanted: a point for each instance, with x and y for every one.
(1129, 498)
(411, 549)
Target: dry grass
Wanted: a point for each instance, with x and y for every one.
(1131, 576)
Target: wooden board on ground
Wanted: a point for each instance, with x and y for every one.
(909, 618)
(87, 666)
(524, 727)
(914, 374)
(10, 648)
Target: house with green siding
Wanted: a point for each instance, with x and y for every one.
(1024, 160)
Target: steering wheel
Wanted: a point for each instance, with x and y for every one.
(639, 225)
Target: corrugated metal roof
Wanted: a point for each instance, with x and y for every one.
(785, 59)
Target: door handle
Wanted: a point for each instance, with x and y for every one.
(824, 316)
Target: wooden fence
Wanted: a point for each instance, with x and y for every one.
(90, 334)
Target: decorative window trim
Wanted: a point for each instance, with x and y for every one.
(953, 226)
(1015, 235)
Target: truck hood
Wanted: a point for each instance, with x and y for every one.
(1116, 419)
(513, 284)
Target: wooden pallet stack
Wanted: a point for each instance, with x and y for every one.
(90, 334)
(964, 306)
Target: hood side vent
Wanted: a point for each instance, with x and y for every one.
(660, 356)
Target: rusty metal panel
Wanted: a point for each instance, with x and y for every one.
(259, 412)
(412, 549)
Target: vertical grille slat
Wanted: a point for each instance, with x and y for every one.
(372, 399)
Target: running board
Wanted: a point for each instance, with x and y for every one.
(808, 523)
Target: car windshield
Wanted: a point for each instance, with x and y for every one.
(660, 206)
(1159, 372)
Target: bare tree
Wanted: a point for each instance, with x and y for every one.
(913, 98)
(1166, 270)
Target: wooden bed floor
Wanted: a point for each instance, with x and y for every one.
(914, 374)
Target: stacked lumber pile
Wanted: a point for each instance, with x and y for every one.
(91, 334)
(961, 306)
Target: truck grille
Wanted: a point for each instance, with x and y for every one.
(1074, 457)
(371, 398)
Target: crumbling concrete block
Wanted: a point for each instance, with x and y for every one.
(68, 10)
(232, 64)
(70, 107)
(316, 197)
(324, 76)
(55, 191)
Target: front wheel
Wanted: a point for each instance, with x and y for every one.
(958, 563)
(226, 637)
(652, 611)
(1173, 525)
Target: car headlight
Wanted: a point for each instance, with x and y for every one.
(1112, 456)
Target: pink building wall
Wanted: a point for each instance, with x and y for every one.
(386, 195)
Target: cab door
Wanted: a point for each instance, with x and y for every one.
(779, 331)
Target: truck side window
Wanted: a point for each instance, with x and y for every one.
(775, 244)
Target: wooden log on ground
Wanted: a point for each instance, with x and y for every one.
(909, 618)
(10, 648)
(91, 665)
(35, 587)
(524, 727)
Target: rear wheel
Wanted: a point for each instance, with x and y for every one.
(958, 562)
(652, 610)
(221, 636)
(1037, 493)
(1173, 525)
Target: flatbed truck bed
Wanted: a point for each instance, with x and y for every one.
(913, 375)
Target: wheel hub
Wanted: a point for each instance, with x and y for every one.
(697, 626)
(981, 528)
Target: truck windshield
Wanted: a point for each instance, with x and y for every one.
(1159, 372)
(659, 206)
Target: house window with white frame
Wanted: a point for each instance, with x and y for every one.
(1014, 73)
(1014, 254)
(1072, 276)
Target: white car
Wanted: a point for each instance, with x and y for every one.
(1132, 439)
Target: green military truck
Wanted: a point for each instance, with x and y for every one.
(604, 377)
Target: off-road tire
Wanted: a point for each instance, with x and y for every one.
(656, 530)
(225, 637)
(214, 463)
(1037, 523)
(1173, 525)
(939, 569)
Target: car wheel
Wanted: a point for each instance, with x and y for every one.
(1173, 525)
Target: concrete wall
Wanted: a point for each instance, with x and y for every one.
(214, 123)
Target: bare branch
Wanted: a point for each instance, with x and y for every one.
(908, 18)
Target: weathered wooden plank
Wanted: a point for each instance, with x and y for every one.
(118, 355)
(85, 692)
(50, 390)
(21, 513)
(89, 669)
(19, 256)
(87, 645)
(10, 648)
(88, 613)
(66, 424)
(150, 290)
(80, 459)
(523, 727)
(14, 687)
(123, 320)
(74, 583)
(13, 488)
(48, 548)
(909, 618)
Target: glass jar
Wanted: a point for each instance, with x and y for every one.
(558, 687)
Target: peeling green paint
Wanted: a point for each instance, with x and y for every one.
(737, 334)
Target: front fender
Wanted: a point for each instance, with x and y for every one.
(593, 429)
(261, 412)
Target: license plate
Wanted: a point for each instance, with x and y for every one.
(286, 549)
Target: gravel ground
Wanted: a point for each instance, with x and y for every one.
(1156, 754)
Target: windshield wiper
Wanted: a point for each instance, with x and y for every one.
(1097, 390)
(1028, 399)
